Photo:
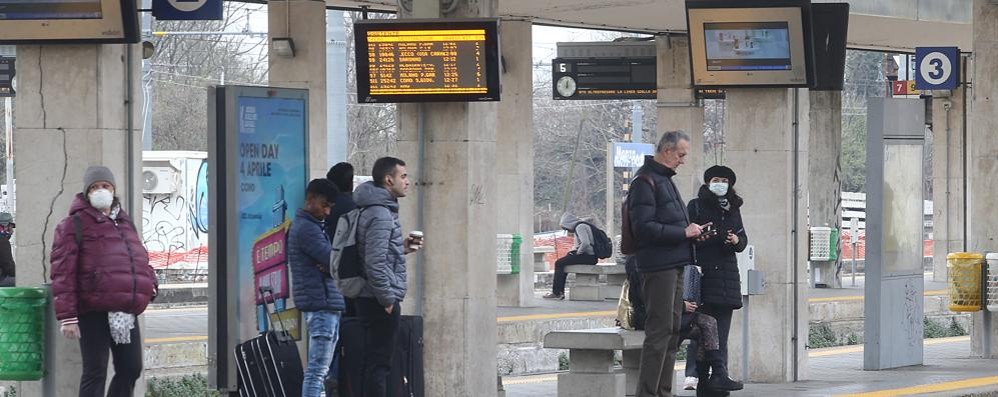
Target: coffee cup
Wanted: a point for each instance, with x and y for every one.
(417, 239)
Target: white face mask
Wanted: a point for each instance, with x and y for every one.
(101, 199)
(719, 188)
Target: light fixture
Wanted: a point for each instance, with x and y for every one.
(283, 46)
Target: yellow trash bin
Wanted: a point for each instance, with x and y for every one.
(964, 281)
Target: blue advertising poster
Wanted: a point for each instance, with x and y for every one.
(272, 171)
(631, 155)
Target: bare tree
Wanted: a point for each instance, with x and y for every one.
(188, 59)
(372, 128)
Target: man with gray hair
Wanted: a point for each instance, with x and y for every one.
(663, 237)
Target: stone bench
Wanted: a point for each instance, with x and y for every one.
(539, 264)
(591, 370)
(587, 285)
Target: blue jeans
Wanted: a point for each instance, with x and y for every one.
(323, 331)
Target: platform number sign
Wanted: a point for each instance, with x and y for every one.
(937, 68)
(187, 10)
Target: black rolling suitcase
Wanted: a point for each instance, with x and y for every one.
(406, 377)
(269, 365)
(350, 350)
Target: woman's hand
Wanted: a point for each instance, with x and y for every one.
(71, 331)
(732, 238)
(690, 306)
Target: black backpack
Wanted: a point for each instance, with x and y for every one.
(602, 245)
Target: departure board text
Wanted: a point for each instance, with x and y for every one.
(427, 62)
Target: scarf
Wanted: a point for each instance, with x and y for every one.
(121, 323)
(723, 201)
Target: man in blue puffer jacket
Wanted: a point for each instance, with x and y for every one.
(383, 248)
(313, 288)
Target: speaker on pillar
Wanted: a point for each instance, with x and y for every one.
(829, 24)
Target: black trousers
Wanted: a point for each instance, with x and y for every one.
(723, 317)
(95, 344)
(381, 334)
(560, 276)
(663, 297)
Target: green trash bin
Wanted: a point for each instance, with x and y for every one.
(514, 254)
(22, 333)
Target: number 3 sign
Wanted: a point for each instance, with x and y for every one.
(937, 68)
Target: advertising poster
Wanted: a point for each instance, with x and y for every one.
(271, 158)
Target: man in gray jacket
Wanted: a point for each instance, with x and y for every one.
(582, 254)
(383, 249)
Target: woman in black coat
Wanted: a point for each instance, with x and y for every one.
(718, 204)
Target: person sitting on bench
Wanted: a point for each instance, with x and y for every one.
(584, 253)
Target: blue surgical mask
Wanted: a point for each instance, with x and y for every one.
(719, 188)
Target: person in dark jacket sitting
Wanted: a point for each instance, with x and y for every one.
(101, 280)
(582, 254)
(313, 288)
(718, 204)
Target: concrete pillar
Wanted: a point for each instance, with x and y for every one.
(457, 181)
(306, 70)
(336, 76)
(824, 185)
(983, 159)
(71, 113)
(947, 178)
(678, 110)
(515, 159)
(760, 149)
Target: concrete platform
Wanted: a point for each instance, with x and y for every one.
(948, 371)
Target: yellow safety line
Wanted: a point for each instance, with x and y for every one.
(556, 315)
(198, 338)
(860, 297)
(930, 388)
(832, 351)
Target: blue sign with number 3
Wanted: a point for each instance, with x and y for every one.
(937, 68)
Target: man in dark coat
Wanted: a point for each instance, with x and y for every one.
(313, 288)
(664, 240)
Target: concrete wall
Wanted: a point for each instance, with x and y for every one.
(947, 179)
(677, 109)
(71, 113)
(453, 283)
(515, 159)
(824, 185)
(983, 154)
(760, 148)
(306, 70)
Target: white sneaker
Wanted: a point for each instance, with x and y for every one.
(690, 383)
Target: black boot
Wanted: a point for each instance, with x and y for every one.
(703, 376)
(719, 379)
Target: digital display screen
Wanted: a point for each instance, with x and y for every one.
(747, 46)
(408, 61)
(26, 10)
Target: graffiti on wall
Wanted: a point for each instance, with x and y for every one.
(175, 224)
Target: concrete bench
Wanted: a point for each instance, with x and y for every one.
(587, 285)
(539, 264)
(591, 371)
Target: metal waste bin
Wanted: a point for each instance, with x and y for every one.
(22, 333)
(991, 283)
(965, 281)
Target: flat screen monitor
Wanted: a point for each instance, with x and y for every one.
(427, 60)
(765, 44)
(68, 21)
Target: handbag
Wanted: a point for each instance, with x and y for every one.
(691, 283)
(625, 313)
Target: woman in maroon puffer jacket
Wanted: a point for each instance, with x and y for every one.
(101, 279)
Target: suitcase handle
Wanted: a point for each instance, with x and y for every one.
(264, 292)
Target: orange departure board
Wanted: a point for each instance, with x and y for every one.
(426, 61)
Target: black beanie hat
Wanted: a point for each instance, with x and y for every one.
(719, 171)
